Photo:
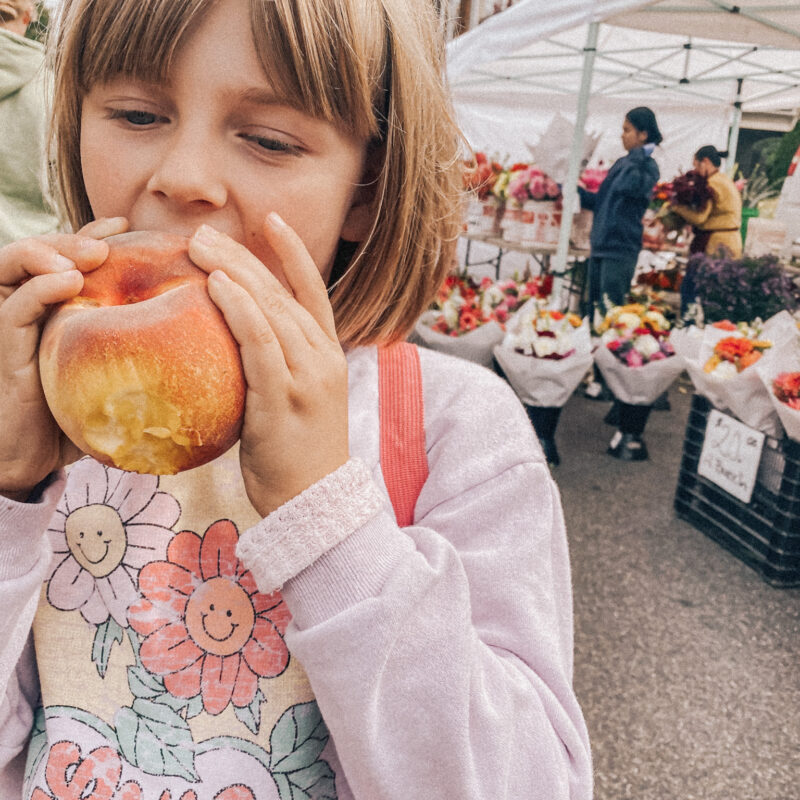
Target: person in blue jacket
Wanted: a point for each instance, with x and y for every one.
(619, 206)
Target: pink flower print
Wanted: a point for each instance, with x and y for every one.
(70, 776)
(107, 526)
(207, 630)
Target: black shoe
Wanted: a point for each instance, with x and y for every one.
(550, 451)
(662, 403)
(627, 447)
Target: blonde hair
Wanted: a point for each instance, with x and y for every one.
(373, 68)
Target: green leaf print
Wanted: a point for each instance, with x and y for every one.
(297, 738)
(144, 684)
(251, 715)
(296, 742)
(104, 637)
(156, 739)
(312, 783)
(37, 746)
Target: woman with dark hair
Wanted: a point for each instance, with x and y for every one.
(619, 206)
(717, 226)
(719, 223)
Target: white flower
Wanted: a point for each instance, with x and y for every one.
(725, 370)
(492, 297)
(450, 310)
(629, 320)
(544, 346)
(647, 345)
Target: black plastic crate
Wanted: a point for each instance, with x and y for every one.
(764, 533)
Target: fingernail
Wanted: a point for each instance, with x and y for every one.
(206, 235)
(275, 220)
(93, 244)
(219, 275)
(63, 264)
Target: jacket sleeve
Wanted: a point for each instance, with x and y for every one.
(638, 177)
(441, 654)
(693, 217)
(588, 199)
(24, 557)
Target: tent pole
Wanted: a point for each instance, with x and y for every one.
(569, 188)
(733, 136)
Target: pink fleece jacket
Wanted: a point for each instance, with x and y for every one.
(438, 655)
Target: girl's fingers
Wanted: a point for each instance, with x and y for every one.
(55, 252)
(27, 306)
(294, 327)
(104, 227)
(301, 272)
(248, 325)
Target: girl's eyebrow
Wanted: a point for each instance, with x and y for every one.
(263, 97)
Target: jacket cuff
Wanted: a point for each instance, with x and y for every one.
(295, 535)
(23, 523)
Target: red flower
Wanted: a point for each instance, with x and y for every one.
(206, 627)
(787, 388)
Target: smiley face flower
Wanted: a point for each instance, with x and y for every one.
(108, 525)
(207, 630)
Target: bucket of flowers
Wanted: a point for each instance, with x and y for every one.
(536, 196)
(780, 375)
(544, 355)
(638, 363)
(479, 177)
(468, 317)
(728, 363)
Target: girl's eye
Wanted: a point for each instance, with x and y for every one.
(138, 118)
(271, 145)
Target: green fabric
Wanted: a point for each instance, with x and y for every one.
(23, 210)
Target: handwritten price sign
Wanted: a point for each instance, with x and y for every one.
(730, 455)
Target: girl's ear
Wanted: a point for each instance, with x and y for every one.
(361, 216)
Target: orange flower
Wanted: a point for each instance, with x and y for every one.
(733, 347)
(207, 630)
(724, 325)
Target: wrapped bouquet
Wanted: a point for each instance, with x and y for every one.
(780, 375)
(545, 354)
(635, 354)
(727, 362)
(468, 317)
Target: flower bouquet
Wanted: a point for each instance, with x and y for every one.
(468, 317)
(531, 205)
(544, 356)
(637, 360)
(780, 375)
(720, 360)
(635, 354)
(484, 209)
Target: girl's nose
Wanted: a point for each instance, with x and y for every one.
(188, 173)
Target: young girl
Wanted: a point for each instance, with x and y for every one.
(270, 625)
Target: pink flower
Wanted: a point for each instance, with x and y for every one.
(107, 526)
(634, 358)
(206, 627)
(537, 187)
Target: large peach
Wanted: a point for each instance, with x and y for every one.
(140, 369)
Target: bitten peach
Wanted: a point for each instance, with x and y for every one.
(140, 370)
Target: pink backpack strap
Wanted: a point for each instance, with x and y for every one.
(404, 461)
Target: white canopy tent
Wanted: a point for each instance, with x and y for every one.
(697, 63)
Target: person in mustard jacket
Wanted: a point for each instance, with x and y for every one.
(719, 224)
(717, 227)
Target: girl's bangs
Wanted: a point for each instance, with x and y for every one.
(327, 58)
(137, 38)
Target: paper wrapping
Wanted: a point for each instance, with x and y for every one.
(638, 386)
(744, 395)
(477, 345)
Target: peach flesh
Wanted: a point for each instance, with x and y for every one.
(140, 370)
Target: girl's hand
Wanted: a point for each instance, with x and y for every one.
(34, 275)
(295, 423)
